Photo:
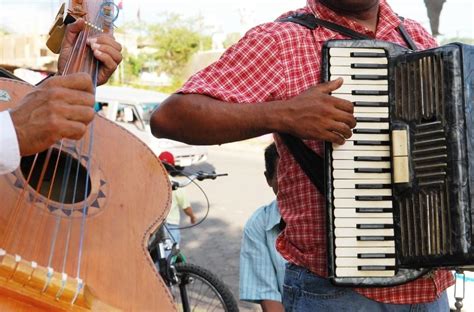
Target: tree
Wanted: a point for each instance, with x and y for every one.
(174, 41)
(165, 47)
(434, 8)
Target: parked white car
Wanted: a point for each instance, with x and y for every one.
(131, 108)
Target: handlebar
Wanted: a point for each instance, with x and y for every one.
(200, 176)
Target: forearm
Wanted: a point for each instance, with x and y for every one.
(189, 212)
(199, 119)
(272, 306)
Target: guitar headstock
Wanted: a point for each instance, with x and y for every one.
(98, 14)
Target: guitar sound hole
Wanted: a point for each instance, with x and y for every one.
(65, 176)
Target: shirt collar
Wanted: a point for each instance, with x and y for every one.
(388, 19)
(273, 216)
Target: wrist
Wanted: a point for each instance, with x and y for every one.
(277, 116)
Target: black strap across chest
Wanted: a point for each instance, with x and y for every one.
(311, 163)
(312, 22)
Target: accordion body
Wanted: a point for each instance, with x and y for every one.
(399, 192)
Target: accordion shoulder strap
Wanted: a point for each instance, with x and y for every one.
(311, 163)
(310, 21)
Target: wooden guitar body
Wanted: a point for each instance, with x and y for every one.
(127, 198)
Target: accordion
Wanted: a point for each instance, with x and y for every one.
(399, 192)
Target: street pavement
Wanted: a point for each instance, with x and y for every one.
(215, 244)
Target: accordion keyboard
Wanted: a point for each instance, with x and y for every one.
(361, 167)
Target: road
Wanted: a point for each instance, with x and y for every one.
(215, 244)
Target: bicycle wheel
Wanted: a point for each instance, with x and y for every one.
(199, 290)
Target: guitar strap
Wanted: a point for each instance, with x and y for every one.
(310, 162)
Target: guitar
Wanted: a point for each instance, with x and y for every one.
(75, 219)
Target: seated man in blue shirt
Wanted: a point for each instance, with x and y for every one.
(262, 268)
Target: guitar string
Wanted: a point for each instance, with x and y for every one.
(44, 217)
(82, 50)
(94, 66)
(16, 210)
(17, 221)
(70, 223)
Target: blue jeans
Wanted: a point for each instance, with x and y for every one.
(304, 291)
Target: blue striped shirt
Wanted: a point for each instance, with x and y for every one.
(262, 268)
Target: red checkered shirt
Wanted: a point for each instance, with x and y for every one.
(276, 61)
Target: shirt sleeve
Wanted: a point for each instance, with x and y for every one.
(181, 199)
(249, 71)
(258, 279)
(9, 149)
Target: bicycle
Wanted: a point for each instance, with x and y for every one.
(193, 287)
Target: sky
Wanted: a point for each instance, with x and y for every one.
(225, 16)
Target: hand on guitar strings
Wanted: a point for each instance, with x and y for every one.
(60, 107)
(104, 46)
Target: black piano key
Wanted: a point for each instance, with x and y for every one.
(369, 92)
(372, 143)
(374, 226)
(373, 210)
(372, 119)
(368, 66)
(375, 255)
(372, 186)
(370, 104)
(371, 131)
(368, 54)
(375, 238)
(372, 170)
(373, 198)
(369, 77)
(376, 268)
(371, 158)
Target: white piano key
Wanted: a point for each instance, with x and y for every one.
(350, 174)
(369, 109)
(351, 262)
(351, 213)
(347, 88)
(352, 203)
(354, 272)
(354, 252)
(369, 137)
(347, 61)
(346, 52)
(352, 193)
(350, 184)
(372, 125)
(352, 232)
(363, 98)
(353, 242)
(348, 80)
(336, 70)
(371, 115)
(352, 164)
(353, 222)
(349, 145)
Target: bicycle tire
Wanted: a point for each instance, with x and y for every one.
(205, 291)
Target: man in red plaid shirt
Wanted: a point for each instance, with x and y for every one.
(269, 82)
